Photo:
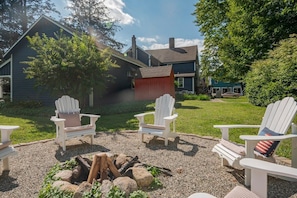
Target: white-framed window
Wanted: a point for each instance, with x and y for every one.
(180, 82)
(215, 90)
(237, 90)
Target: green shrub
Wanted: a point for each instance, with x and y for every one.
(273, 78)
(95, 191)
(47, 190)
(138, 194)
(116, 192)
(187, 96)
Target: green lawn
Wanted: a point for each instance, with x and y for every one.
(194, 117)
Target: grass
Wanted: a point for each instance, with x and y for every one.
(195, 117)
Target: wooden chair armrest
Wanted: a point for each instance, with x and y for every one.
(90, 115)
(6, 132)
(225, 128)
(265, 138)
(259, 173)
(171, 118)
(56, 120)
(268, 167)
(140, 116)
(143, 114)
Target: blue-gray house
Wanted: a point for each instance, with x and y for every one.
(184, 61)
(218, 87)
(22, 89)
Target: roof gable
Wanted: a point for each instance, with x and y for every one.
(174, 55)
(39, 20)
(43, 19)
(153, 72)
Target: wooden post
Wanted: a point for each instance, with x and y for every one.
(112, 168)
(94, 169)
(103, 166)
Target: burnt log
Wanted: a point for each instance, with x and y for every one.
(84, 164)
(129, 164)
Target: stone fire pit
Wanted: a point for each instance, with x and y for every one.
(125, 172)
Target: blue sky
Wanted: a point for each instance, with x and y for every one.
(153, 22)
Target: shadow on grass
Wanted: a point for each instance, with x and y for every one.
(180, 106)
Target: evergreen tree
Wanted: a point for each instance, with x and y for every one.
(16, 16)
(91, 17)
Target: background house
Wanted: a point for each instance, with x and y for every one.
(184, 61)
(22, 89)
(153, 82)
(217, 87)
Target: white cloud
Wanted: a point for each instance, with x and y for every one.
(116, 12)
(147, 40)
(179, 42)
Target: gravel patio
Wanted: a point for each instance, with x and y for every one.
(194, 167)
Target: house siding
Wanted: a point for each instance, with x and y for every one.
(120, 88)
(5, 70)
(143, 57)
(184, 67)
(24, 89)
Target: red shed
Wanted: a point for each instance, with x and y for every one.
(152, 82)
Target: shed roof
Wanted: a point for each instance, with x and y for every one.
(154, 72)
(175, 55)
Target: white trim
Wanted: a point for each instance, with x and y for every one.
(11, 80)
(3, 64)
(183, 82)
(193, 85)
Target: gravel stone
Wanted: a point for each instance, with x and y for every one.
(194, 167)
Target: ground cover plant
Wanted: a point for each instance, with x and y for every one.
(194, 117)
(48, 190)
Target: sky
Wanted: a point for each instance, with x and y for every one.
(152, 22)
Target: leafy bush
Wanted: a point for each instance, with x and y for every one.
(275, 77)
(186, 96)
(95, 191)
(115, 192)
(47, 190)
(138, 194)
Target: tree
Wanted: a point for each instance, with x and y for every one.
(275, 77)
(91, 16)
(16, 16)
(246, 29)
(68, 65)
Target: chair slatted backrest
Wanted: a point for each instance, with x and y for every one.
(66, 104)
(279, 115)
(163, 107)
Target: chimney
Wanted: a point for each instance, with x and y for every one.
(134, 47)
(171, 43)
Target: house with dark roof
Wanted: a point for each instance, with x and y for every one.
(153, 82)
(184, 61)
(23, 89)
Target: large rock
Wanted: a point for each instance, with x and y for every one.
(65, 186)
(120, 160)
(82, 188)
(142, 176)
(64, 175)
(105, 187)
(126, 184)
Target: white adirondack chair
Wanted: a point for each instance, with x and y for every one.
(163, 117)
(259, 172)
(67, 120)
(278, 117)
(6, 149)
